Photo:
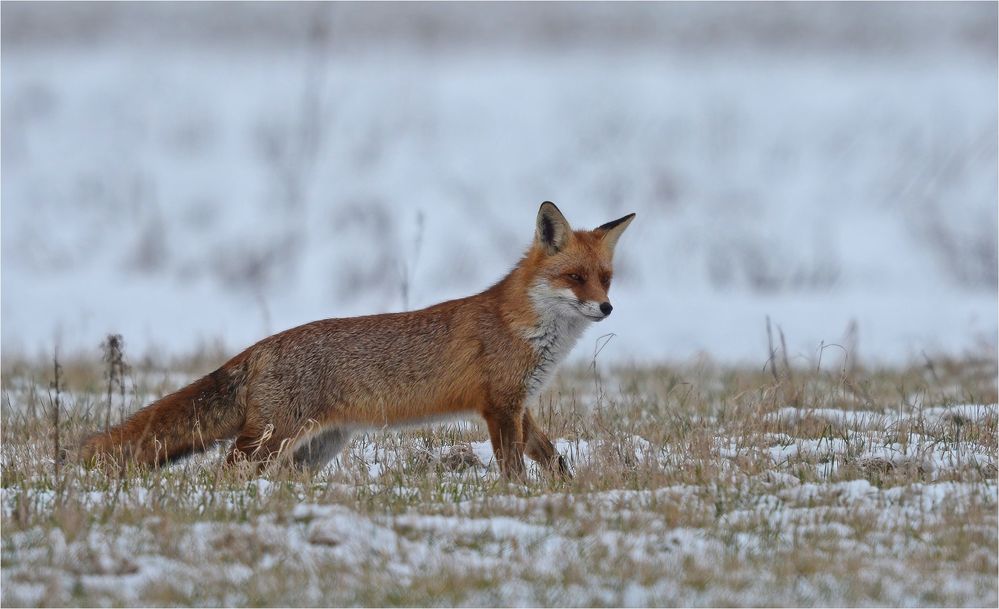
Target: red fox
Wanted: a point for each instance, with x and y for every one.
(298, 394)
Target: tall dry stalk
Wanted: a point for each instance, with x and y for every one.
(114, 360)
(57, 387)
(772, 359)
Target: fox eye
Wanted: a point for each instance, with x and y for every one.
(605, 280)
(577, 278)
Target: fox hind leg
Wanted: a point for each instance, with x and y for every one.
(316, 452)
(259, 447)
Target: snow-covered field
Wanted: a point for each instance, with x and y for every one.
(188, 194)
(696, 485)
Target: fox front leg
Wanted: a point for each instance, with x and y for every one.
(507, 435)
(539, 448)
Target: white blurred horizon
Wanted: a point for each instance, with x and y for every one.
(210, 174)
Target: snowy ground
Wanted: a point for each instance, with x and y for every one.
(193, 193)
(694, 486)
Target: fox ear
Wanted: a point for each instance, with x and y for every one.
(553, 229)
(609, 233)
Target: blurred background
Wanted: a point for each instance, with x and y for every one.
(204, 174)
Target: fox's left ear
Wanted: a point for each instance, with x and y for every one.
(609, 233)
(553, 230)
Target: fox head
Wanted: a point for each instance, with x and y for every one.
(574, 268)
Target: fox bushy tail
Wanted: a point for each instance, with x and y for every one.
(186, 421)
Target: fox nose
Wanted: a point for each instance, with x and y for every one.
(606, 308)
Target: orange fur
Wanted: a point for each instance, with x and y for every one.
(300, 392)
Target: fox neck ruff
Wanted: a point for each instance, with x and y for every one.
(557, 330)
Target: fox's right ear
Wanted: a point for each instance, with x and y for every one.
(553, 229)
(611, 231)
